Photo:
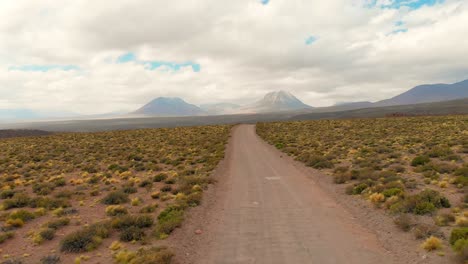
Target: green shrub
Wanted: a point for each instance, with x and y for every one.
(51, 259)
(420, 160)
(19, 200)
(23, 215)
(129, 189)
(115, 210)
(169, 219)
(132, 233)
(457, 234)
(461, 247)
(154, 255)
(5, 194)
(86, 239)
(160, 177)
(57, 223)
(116, 197)
(358, 189)
(47, 233)
(423, 208)
(392, 192)
(4, 236)
(127, 221)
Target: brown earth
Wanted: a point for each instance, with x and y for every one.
(268, 208)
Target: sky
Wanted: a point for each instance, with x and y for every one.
(90, 57)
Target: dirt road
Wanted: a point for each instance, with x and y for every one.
(272, 213)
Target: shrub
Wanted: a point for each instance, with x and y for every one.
(458, 233)
(154, 255)
(51, 259)
(5, 194)
(404, 222)
(155, 195)
(132, 233)
(377, 198)
(58, 223)
(19, 200)
(420, 160)
(116, 197)
(14, 223)
(47, 233)
(358, 189)
(127, 221)
(85, 239)
(194, 199)
(145, 184)
(4, 236)
(425, 230)
(23, 215)
(424, 208)
(129, 189)
(149, 209)
(115, 210)
(166, 188)
(169, 219)
(160, 177)
(432, 243)
(461, 247)
(392, 192)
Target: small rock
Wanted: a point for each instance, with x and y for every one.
(198, 232)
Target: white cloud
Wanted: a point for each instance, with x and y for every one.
(244, 48)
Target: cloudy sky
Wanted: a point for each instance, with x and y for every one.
(102, 56)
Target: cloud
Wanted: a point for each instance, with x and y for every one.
(151, 65)
(128, 52)
(44, 68)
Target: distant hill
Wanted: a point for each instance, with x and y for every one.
(429, 93)
(459, 107)
(11, 133)
(278, 101)
(354, 104)
(169, 106)
(220, 108)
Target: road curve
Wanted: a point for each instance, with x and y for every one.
(272, 213)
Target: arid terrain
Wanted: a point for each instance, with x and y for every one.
(389, 190)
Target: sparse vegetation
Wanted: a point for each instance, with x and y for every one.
(406, 165)
(59, 179)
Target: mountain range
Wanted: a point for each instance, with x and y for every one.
(273, 102)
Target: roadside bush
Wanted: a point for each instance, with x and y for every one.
(169, 219)
(126, 221)
(154, 255)
(116, 197)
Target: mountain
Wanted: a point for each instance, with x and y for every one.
(354, 104)
(429, 93)
(169, 106)
(275, 102)
(220, 108)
